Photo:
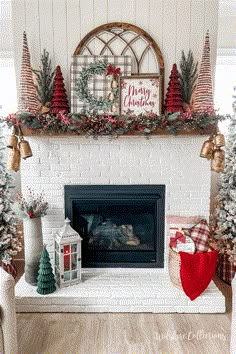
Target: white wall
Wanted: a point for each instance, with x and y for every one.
(227, 27)
(59, 25)
(226, 59)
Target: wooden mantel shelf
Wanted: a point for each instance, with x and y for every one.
(117, 126)
(162, 132)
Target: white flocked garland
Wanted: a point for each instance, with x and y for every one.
(82, 90)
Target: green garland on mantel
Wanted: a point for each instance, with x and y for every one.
(99, 125)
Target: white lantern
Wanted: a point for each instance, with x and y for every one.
(67, 256)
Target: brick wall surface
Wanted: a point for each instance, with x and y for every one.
(170, 160)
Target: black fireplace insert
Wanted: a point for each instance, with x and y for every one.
(121, 225)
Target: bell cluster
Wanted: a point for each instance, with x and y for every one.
(212, 150)
(18, 148)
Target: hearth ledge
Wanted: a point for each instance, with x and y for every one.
(111, 291)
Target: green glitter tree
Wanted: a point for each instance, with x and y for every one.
(46, 280)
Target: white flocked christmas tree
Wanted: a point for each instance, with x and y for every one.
(225, 232)
(9, 241)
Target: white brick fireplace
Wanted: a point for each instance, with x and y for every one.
(170, 160)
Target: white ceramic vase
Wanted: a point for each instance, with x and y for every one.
(33, 245)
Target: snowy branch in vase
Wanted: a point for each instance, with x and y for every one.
(34, 206)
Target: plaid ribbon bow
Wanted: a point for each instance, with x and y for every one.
(178, 236)
(112, 71)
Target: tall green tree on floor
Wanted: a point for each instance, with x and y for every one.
(46, 280)
(9, 242)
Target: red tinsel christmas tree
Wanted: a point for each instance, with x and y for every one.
(59, 97)
(173, 101)
(27, 91)
(203, 96)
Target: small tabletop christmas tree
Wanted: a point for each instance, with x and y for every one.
(203, 95)
(174, 102)
(45, 78)
(188, 76)
(27, 91)
(59, 97)
(46, 280)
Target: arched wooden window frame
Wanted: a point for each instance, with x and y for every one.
(125, 27)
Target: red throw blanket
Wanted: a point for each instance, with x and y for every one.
(196, 271)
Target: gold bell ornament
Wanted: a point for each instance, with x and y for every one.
(24, 146)
(13, 140)
(25, 149)
(114, 84)
(207, 148)
(13, 161)
(219, 140)
(218, 160)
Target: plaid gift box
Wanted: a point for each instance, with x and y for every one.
(99, 85)
(193, 226)
(200, 234)
(176, 222)
(225, 269)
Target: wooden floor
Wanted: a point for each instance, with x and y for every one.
(126, 333)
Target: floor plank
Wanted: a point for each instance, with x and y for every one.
(123, 333)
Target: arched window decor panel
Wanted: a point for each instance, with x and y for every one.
(120, 38)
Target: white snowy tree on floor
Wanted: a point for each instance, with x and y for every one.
(226, 211)
(9, 242)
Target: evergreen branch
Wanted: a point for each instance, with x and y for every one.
(44, 78)
(95, 125)
(188, 76)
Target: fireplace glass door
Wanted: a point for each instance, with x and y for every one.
(118, 229)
